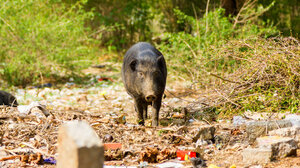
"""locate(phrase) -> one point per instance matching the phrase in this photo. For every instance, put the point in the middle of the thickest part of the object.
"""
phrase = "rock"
(256, 155)
(79, 146)
(205, 133)
(7, 99)
(286, 132)
(294, 119)
(280, 146)
(293, 132)
(259, 128)
(223, 138)
(108, 138)
(198, 162)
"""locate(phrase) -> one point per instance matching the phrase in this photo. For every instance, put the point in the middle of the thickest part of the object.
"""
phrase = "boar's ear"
(160, 62)
(133, 65)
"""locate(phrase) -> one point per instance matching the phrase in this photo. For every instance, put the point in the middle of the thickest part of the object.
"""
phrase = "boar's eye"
(133, 65)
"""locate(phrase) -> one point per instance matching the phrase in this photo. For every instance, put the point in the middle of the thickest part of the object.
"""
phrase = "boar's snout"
(150, 98)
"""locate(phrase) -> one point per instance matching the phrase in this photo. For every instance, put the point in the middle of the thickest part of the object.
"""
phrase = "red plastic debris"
(112, 146)
(185, 155)
(105, 79)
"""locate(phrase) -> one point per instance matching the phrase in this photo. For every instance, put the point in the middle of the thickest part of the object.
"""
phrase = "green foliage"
(234, 57)
(125, 22)
(43, 39)
(285, 14)
(214, 29)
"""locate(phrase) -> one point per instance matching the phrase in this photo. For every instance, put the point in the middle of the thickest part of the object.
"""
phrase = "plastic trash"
(170, 165)
(50, 160)
(185, 155)
(238, 120)
(26, 109)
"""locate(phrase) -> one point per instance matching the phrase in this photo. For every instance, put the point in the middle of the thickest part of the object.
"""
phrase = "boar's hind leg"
(139, 106)
(155, 111)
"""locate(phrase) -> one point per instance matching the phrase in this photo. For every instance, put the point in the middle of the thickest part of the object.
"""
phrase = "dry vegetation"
(255, 75)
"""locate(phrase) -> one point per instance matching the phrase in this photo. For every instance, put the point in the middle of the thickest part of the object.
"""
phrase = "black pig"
(144, 75)
(7, 99)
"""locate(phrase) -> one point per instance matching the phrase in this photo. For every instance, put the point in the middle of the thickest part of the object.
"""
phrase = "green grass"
(43, 39)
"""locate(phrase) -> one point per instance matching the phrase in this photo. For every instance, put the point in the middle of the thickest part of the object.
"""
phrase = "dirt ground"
(105, 105)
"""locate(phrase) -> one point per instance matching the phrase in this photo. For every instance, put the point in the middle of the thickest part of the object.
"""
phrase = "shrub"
(211, 31)
(43, 39)
(266, 79)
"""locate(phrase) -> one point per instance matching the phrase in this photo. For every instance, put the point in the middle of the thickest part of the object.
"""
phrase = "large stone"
(280, 146)
(204, 133)
(257, 155)
(294, 119)
(79, 146)
(286, 132)
(259, 128)
(293, 132)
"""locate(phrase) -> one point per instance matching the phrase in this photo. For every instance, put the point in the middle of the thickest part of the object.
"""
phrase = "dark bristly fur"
(144, 74)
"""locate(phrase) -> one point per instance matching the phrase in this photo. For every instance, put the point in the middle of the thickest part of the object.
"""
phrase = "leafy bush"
(43, 39)
(237, 62)
(211, 31)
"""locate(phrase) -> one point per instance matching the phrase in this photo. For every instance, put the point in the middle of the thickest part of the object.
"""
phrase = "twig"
(227, 98)
(10, 157)
(206, 20)
(37, 150)
(227, 80)
(193, 52)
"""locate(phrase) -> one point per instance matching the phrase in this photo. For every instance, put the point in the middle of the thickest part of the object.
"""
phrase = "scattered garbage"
(50, 160)
(170, 164)
(238, 120)
(212, 166)
(120, 119)
(143, 164)
(112, 146)
(185, 155)
(27, 109)
(108, 109)
(108, 138)
(198, 162)
(105, 79)
(44, 85)
(98, 66)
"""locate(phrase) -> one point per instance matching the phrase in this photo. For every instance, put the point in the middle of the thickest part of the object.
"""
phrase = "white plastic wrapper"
(27, 109)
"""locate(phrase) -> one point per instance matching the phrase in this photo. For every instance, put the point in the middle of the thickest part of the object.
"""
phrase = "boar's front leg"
(155, 110)
(139, 108)
(145, 110)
